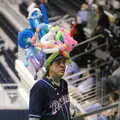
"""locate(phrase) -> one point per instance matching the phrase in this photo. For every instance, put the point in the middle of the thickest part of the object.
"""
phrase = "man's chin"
(61, 74)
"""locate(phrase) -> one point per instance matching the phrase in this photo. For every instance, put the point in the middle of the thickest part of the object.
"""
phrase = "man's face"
(58, 68)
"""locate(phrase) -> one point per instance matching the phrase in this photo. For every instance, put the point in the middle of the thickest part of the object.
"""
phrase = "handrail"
(10, 84)
(84, 95)
(86, 98)
(74, 75)
(72, 82)
(89, 92)
(83, 53)
(80, 79)
(89, 40)
(74, 100)
(79, 95)
(99, 110)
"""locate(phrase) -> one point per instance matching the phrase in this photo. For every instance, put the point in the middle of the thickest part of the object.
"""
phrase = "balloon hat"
(53, 57)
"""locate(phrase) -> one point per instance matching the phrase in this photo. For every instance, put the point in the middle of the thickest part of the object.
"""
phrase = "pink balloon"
(69, 41)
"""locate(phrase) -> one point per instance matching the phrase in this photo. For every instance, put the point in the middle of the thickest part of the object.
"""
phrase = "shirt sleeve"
(37, 96)
(64, 87)
(34, 118)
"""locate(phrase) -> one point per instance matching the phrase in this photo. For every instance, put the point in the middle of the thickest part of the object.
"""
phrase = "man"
(49, 96)
(103, 25)
(103, 20)
(82, 15)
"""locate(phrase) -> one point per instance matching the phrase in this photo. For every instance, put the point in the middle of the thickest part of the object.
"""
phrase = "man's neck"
(55, 80)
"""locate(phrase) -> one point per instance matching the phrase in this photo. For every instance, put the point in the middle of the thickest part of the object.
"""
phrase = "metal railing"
(89, 51)
(90, 97)
(89, 40)
(100, 111)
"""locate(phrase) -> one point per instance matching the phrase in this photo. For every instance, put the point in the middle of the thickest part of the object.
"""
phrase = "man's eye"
(58, 63)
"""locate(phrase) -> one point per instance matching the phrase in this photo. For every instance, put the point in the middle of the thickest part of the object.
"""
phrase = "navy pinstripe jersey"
(48, 101)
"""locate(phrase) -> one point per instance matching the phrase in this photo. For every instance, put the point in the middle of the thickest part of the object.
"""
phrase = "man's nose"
(62, 64)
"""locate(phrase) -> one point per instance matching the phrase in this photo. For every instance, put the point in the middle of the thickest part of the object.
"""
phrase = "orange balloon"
(42, 1)
(33, 40)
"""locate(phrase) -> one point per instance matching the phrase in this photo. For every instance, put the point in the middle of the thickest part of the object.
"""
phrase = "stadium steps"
(63, 6)
(4, 75)
(52, 11)
(10, 60)
(8, 28)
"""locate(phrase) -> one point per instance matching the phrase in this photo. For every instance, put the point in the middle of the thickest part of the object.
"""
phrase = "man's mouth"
(62, 70)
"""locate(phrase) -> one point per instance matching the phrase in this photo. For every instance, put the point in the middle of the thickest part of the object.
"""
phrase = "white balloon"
(49, 37)
(51, 50)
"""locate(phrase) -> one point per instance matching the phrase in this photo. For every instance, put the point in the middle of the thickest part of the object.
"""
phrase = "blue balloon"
(44, 13)
(23, 37)
(34, 19)
(43, 29)
(28, 53)
(34, 23)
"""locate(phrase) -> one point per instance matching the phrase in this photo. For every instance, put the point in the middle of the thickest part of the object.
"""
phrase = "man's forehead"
(60, 60)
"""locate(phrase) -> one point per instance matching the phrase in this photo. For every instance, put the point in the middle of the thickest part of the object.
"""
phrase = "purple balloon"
(37, 60)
